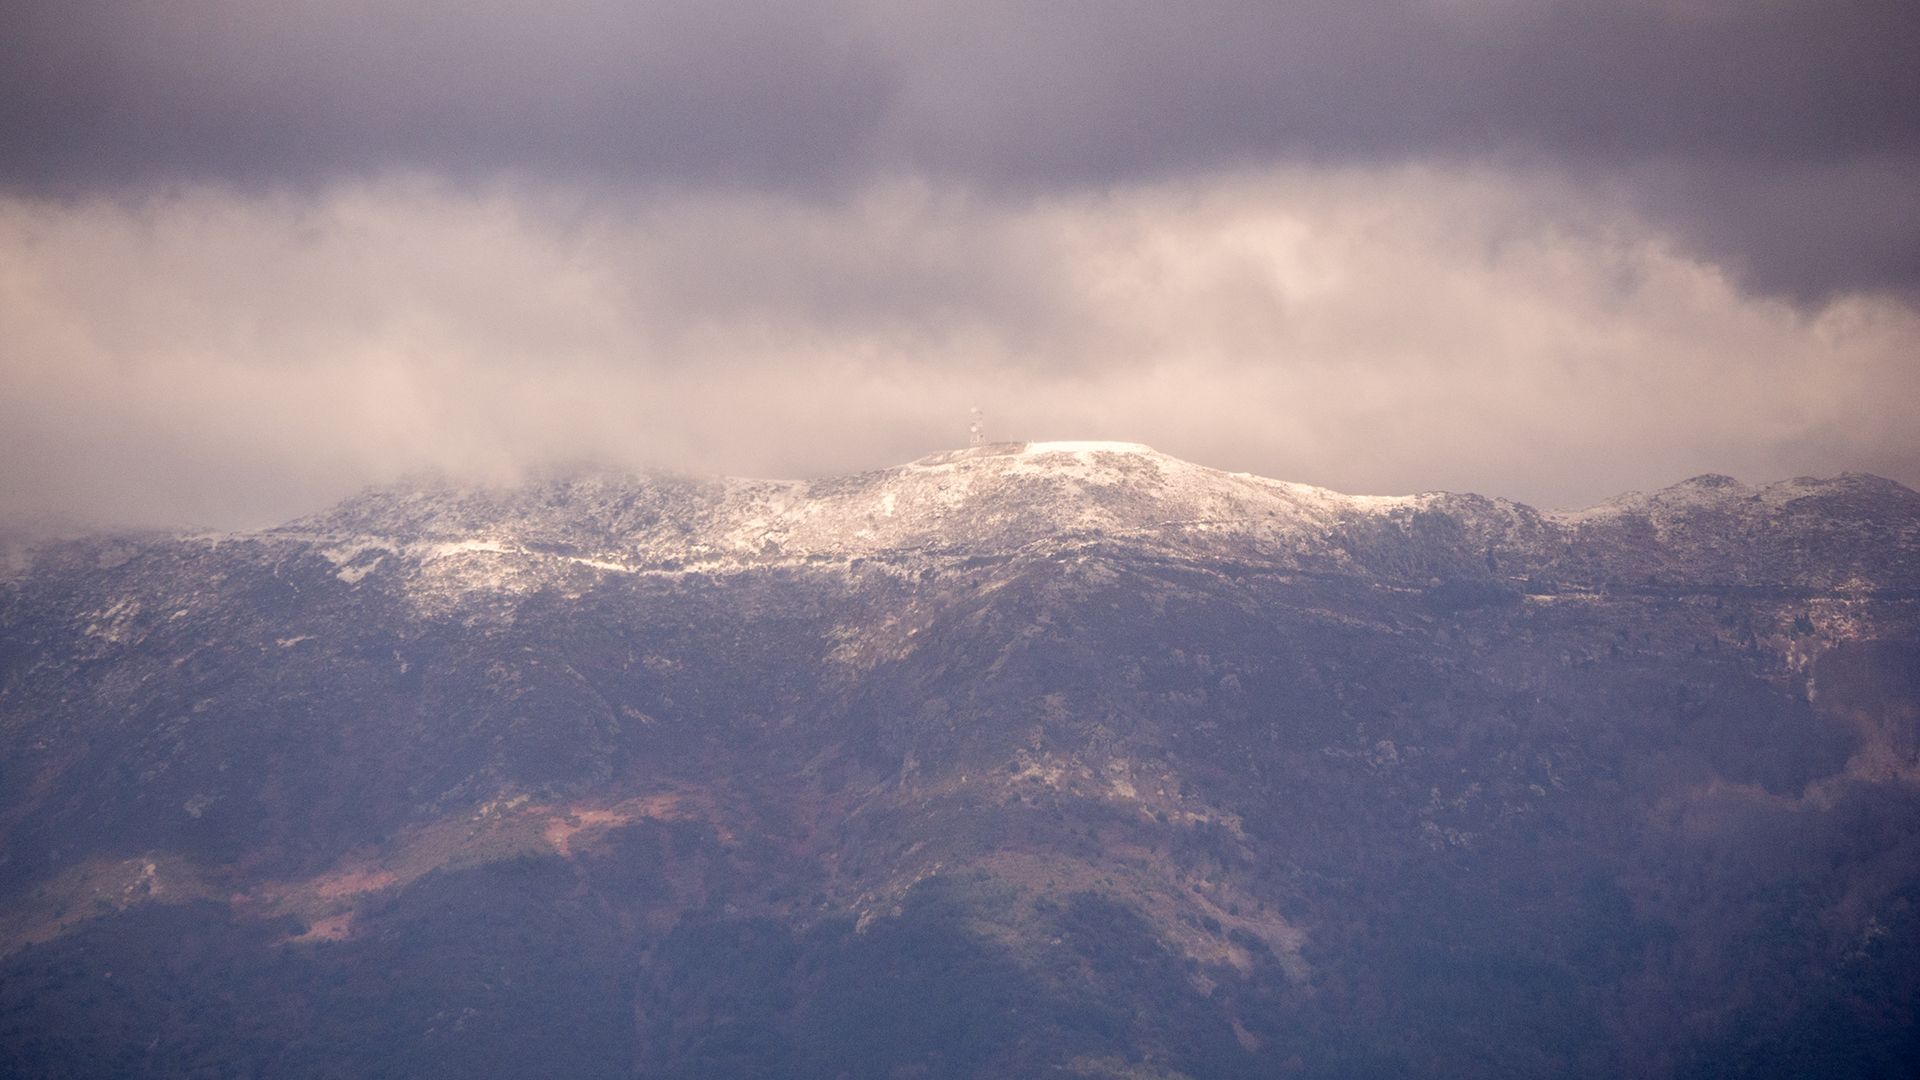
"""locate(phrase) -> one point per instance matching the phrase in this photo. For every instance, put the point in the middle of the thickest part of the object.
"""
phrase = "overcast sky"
(255, 254)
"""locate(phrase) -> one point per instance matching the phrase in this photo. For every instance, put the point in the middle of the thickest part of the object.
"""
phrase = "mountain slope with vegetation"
(1027, 760)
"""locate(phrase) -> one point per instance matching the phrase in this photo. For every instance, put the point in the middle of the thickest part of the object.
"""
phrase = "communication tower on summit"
(977, 431)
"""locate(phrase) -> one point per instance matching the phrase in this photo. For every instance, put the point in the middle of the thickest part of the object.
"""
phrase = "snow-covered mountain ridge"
(988, 499)
(1003, 499)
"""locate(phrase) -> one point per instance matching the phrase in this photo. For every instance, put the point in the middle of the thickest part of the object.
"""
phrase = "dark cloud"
(117, 91)
(1807, 229)
(1133, 85)
(1006, 93)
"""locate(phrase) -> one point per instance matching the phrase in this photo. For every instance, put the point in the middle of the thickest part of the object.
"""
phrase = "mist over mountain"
(1052, 759)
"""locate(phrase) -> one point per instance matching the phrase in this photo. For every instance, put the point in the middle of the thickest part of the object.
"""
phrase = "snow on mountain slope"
(1258, 751)
(1004, 499)
(991, 500)
(1851, 531)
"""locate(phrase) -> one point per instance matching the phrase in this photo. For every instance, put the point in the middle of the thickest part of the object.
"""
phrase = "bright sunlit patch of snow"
(1087, 448)
(1328, 499)
(465, 547)
(344, 553)
(601, 564)
(352, 574)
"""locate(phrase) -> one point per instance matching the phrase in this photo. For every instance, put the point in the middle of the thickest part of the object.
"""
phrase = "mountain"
(1056, 759)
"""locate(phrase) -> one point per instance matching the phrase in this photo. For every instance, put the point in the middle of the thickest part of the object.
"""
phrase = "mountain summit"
(1003, 499)
(993, 499)
(1022, 760)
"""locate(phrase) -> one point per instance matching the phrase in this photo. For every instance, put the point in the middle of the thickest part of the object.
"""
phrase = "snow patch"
(601, 564)
(465, 547)
(352, 574)
(1087, 448)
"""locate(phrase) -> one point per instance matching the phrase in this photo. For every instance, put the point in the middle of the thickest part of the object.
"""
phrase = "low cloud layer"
(213, 356)
(255, 254)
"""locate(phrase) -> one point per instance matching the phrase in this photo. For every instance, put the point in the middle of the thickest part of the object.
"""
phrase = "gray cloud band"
(207, 356)
(1727, 119)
